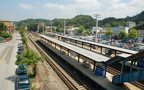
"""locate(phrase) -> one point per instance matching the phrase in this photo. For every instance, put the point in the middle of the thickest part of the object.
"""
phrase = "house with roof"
(140, 36)
(72, 30)
(10, 25)
(116, 30)
(130, 24)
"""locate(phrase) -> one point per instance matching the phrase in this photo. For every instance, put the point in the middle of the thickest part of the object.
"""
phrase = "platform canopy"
(89, 54)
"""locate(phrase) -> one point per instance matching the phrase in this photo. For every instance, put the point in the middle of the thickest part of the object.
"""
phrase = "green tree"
(53, 30)
(58, 29)
(22, 27)
(3, 27)
(22, 33)
(87, 32)
(24, 39)
(30, 57)
(107, 25)
(122, 34)
(80, 30)
(109, 32)
(42, 28)
(6, 35)
(133, 33)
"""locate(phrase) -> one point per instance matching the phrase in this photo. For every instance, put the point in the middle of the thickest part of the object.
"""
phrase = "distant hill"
(139, 18)
(87, 21)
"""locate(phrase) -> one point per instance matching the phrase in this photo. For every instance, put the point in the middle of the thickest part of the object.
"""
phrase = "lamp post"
(51, 26)
(64, 27)
(43, 27)
(96, 15)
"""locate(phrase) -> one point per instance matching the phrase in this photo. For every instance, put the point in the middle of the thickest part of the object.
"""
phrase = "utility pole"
(51, 26)
(96, 15)
(38, 28)
(64, 27)
(43, 27)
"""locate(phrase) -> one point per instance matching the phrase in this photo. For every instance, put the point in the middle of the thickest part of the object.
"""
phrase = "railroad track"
(69, 81)
(114, 70)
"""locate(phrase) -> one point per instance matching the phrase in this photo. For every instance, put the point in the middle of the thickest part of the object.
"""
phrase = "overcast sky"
(16, 10)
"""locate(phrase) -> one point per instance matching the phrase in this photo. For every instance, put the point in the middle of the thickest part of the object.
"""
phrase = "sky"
(16, 10)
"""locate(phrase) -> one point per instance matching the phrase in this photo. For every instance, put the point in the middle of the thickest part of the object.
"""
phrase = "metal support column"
(115, 52)
(78, 57)
(68, 52)
(55, 45)
(90, 46)
(123, 63)
(105, 70)
(94, 66)
(82, 44)
(60, 48)
(75, 42)
(131, 66)
(101, 50)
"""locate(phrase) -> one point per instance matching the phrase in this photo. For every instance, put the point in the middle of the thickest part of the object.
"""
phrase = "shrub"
(6, 35)
(24, 39)
(1, 38)
(30, 57)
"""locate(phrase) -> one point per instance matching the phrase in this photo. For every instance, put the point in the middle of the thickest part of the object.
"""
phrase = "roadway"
(8, 52)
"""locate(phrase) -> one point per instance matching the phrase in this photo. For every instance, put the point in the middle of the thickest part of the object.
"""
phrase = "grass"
(32, 74)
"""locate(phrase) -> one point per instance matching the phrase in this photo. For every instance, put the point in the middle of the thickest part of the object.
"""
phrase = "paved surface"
(8, 52)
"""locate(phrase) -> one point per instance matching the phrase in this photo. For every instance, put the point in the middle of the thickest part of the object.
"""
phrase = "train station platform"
(105, 82)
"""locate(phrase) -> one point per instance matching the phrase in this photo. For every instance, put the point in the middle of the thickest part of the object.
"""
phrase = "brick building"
(10, 25)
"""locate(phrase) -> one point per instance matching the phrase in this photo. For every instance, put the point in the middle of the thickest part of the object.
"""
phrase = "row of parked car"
(22, 81)
(127, 44)
(20, 48)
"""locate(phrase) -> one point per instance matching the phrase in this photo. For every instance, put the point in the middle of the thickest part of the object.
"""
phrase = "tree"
(80, 30)
(53, 30)
(3, 27)
(107, 25)
(30, 57)
(109, 33)
(58, 29)
(87, 32)
(122, 34)
(42, 28)
(22, 27)
(133, 33)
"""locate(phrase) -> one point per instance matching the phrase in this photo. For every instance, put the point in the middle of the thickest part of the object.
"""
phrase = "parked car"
(19, 52)
(20, 49)
(18, 60)
(2, 40)
(22, 83)
(21, 69)
(20, 45)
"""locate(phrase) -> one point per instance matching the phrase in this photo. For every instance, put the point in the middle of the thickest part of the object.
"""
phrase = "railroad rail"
(69, 81)
(114, 70)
